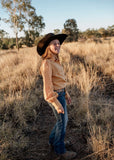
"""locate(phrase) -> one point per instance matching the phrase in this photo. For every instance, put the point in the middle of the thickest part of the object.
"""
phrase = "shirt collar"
(55, 58)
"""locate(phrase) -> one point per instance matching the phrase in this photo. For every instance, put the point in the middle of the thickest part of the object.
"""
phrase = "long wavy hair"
(47, 54)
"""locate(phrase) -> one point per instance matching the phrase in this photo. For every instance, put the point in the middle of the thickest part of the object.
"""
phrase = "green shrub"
(7, 43)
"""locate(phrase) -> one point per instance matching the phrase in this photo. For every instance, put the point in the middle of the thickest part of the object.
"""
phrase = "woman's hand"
(68, 98)
(58, 106)
(60, 110)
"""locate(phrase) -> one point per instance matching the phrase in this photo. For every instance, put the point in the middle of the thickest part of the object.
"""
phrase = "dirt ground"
(39, 148)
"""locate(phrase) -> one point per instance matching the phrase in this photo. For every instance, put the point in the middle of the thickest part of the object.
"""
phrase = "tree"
(16, 16)
(110, 30)
(19, 12)
(35, 26)
(103, 32)
(91, 33)
(70, 28)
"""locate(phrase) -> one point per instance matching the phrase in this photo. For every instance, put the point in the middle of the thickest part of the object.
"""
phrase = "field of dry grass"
(89, 68)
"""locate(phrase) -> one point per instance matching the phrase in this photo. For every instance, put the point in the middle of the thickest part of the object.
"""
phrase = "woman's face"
(55, 46)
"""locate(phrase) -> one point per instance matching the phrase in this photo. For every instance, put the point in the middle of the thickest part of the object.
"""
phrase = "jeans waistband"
(60, 90)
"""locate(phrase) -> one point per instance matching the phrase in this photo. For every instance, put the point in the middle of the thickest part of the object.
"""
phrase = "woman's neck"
(55, 57)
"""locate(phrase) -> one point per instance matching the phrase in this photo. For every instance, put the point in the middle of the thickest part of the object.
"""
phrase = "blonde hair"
(47, 54)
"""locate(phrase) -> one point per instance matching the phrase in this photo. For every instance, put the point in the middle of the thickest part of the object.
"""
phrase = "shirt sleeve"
(49, 94)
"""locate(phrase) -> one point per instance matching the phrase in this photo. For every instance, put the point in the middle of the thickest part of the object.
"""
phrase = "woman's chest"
(57, 70)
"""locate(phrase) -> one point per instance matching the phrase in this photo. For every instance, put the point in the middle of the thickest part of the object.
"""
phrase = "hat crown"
(49, 35)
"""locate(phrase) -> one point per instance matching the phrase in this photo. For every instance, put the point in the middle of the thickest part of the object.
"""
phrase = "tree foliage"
(35, 26)
(3, 34)
(98, 33)
(110, 30)
(70, 28)
(21, 14)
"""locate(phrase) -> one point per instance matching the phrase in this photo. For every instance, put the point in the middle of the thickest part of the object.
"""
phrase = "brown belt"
(60, 90)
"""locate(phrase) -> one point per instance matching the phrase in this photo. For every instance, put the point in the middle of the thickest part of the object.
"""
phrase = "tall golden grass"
(89, 68)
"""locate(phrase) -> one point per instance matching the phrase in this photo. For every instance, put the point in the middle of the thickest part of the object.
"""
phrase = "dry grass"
(90, 73)
(90, 70)
(18, 101)
(100, 54)
(18, 71)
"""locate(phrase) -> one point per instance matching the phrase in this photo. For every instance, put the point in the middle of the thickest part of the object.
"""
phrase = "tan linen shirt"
(53, 79)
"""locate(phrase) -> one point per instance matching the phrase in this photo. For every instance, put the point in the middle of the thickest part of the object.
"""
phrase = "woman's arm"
(68, 98)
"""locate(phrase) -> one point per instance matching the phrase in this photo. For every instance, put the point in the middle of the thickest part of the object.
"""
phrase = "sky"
(87, 13)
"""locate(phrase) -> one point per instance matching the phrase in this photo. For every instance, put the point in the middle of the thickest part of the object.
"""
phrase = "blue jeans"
(57, 135)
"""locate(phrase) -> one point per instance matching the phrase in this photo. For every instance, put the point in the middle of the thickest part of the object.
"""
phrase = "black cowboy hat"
(44, 42)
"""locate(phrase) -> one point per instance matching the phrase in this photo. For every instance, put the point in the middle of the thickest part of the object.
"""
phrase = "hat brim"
(60, 37)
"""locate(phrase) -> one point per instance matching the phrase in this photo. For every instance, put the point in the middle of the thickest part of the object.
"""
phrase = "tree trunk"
(17, 45)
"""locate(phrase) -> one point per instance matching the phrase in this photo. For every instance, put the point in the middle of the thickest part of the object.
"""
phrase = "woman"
(54, 83)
